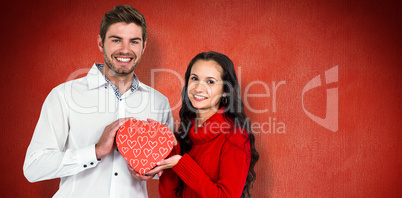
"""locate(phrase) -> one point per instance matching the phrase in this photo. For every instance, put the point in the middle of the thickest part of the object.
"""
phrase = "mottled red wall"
(288, 43)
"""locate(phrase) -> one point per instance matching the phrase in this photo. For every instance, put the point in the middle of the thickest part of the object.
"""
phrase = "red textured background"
(44, 43)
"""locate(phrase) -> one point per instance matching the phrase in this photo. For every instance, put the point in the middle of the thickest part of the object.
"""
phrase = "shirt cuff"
(87, 157)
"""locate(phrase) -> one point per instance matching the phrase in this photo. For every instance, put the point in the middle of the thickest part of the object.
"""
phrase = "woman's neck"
(204, 114)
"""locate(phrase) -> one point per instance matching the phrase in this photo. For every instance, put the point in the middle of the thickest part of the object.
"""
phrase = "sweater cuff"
(175, 151)
(188, 170)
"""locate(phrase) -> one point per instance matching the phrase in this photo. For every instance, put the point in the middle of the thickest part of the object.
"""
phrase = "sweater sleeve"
(169, 180)
(233, 169)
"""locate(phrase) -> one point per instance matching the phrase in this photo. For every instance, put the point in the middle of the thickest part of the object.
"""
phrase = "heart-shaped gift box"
(143, 144)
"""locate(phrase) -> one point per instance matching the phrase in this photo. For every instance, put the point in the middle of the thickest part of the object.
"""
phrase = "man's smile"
(124, 60)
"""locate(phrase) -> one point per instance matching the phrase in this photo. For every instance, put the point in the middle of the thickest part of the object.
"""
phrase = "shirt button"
(91, 163)
(121, 99)
(85, 166)
(115, 174)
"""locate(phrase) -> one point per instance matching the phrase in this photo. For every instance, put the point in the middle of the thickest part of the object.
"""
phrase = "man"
(74, 136)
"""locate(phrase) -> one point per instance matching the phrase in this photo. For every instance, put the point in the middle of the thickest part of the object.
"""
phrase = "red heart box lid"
(143, 144)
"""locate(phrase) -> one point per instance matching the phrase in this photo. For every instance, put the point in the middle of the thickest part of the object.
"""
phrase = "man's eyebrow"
(118, 37)
(113, 36)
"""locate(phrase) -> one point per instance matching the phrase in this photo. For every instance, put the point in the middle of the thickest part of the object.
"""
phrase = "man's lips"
(124, 59)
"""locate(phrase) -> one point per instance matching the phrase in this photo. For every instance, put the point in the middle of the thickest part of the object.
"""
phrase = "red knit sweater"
(217, 164)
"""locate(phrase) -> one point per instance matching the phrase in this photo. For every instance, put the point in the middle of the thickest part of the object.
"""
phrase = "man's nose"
(125, 47)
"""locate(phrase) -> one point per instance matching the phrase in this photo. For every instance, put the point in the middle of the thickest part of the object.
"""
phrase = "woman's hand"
(165, 164)
(139, 177)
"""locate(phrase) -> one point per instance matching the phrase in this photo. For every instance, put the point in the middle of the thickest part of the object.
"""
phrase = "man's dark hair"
(122, 13)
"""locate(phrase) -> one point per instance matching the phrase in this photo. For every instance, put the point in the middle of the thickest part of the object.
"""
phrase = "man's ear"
(100, 44)
(145, 46)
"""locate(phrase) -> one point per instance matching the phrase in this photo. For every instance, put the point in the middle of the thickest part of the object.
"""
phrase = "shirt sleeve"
(168, 118)
(47, 156)
(233, 170)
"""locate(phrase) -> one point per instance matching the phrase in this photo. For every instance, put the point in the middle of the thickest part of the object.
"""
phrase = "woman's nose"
(199, 87)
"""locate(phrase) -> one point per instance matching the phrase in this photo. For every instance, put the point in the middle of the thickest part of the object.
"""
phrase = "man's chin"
(124, 72)
(120, 72)
(115, 69)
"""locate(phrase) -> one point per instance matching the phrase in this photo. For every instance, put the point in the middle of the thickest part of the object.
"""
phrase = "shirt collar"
(97, 79)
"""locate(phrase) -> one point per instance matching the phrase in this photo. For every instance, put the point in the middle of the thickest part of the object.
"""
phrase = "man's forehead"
(124, 30)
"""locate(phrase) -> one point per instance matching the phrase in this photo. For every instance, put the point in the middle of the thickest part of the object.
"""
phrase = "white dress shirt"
(73, 118)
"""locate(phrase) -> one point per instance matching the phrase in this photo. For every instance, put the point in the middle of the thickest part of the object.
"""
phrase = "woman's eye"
(211, 82)
(194, 78)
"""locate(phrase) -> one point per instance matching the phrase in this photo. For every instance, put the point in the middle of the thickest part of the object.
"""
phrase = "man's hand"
(105, 144)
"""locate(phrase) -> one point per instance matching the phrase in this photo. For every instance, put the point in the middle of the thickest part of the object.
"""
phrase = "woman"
(215, 156)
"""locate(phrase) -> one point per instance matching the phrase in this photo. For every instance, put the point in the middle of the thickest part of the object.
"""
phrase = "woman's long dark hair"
(234, 112)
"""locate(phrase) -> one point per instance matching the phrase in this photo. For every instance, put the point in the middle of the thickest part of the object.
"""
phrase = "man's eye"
(135, 42)
(115, 41)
